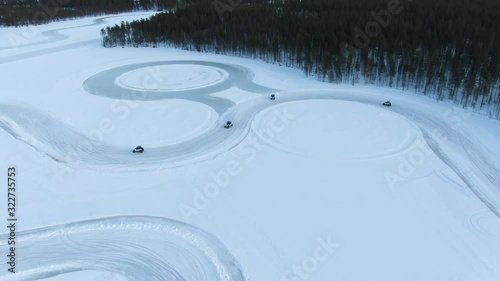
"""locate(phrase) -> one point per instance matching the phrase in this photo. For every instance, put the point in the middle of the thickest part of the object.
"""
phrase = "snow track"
(138, 248)
(103, 84)
(54, 41)
(474, 165)
(171, 77)
(55, 35)
(66, 145)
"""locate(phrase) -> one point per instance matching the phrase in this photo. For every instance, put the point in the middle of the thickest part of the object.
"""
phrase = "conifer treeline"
(445, 49)
(25, 12)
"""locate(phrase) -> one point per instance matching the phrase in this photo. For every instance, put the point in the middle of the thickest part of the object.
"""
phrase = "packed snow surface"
(323, 183)
(171, 77)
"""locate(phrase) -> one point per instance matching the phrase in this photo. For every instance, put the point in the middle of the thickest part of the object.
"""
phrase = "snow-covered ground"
(324, 183)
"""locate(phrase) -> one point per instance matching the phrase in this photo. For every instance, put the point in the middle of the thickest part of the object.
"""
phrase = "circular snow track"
(332, 129)
(190, 80)
(173, 77)
(137, 248)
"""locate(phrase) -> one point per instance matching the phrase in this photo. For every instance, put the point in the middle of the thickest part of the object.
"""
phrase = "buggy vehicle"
(387, 103)
(273, 97)
(138, 149)
(228, 125)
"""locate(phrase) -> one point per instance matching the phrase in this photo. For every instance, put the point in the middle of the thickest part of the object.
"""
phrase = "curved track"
(103, 84)
(410, 139)
(138, 248)
(53, 36)
(466, 157)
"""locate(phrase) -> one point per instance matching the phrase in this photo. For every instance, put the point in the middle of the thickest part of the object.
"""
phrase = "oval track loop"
(55, 35)
(474, 166)
(104, 84)
(339, 119)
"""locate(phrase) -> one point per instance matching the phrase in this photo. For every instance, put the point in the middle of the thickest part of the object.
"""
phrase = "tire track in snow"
(46, 51)
(64, 144)
(479, 221)
(55, 35)
(136, 247)
(467, 158)
(410, 142)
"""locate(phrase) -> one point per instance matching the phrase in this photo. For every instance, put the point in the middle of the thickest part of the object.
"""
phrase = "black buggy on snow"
(228, 125)
(387, 103)
(138, 149)
(273, 97)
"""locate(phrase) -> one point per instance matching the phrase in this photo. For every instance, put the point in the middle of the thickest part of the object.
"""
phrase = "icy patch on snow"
(174, 77)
